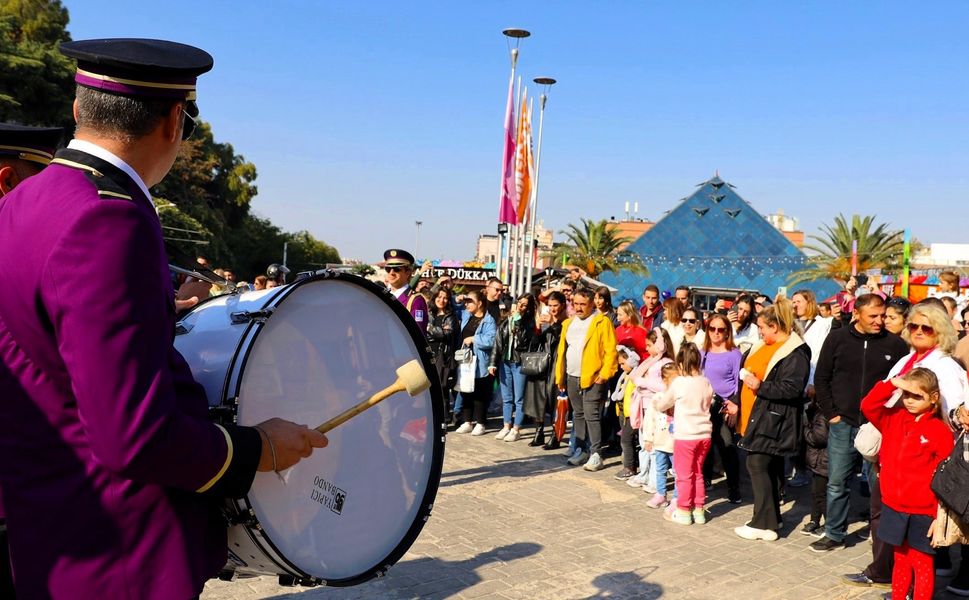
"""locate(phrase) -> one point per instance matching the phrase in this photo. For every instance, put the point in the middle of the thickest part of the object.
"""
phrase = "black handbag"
(951, 480)
(536, 363)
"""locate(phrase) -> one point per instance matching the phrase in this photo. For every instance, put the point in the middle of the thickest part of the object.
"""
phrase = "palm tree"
(878, 247)
(595, 246)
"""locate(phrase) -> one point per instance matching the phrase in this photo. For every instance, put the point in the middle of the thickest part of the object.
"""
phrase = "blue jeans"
(842, 459)
(512, 382)
(458, 405)
(664, 462)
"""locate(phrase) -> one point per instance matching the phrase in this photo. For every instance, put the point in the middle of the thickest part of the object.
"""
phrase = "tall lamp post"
(546, 83)
(417, 241)
(514, 36)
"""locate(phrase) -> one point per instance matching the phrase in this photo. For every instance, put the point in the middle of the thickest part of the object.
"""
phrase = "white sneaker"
(479, 429)
(464, 428)
(501, 434)
(570, 452)
(636, 481)
(594, 464)
(752, 533)
(513, 435)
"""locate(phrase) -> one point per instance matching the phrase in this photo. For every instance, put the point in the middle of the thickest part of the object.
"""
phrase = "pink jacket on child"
(648, 380)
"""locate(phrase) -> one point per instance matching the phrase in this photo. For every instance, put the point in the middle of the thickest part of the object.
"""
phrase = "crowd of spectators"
(775, 389)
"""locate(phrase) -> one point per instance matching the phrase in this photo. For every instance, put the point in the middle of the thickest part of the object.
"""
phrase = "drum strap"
(410, 301)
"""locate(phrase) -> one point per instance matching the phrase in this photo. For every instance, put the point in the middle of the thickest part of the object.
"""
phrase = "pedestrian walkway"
(515, 522)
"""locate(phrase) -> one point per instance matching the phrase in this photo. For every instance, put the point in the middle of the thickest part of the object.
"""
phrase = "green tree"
(595, 246)
(306, 253)
(36, 80)
(879, 247)
(204, 202)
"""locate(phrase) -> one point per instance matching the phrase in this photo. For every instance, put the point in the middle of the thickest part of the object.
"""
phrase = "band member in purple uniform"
(112, 472)
(399, 265)
(24, 152)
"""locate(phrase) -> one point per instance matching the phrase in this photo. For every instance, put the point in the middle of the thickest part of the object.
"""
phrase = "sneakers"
(479, 429)
(625, 474)
(513, 435)
(657, 501)
(752, 533)
(802, 479)
(812, 529)
(594, 464)
(649, 488)
(826, 544)
(464, 428)
(580, 457)
(699, 515)
(504, 432)
(680, 517)
(734, 497)
(636, 481)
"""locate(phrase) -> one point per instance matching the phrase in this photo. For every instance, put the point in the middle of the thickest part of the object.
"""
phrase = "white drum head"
(354, 507)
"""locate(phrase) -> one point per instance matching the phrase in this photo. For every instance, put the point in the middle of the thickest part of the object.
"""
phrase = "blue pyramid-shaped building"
(714, 240)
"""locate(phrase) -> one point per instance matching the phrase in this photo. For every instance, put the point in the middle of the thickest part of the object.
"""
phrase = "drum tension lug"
(245, 316)
(222, 413)
(247, 519)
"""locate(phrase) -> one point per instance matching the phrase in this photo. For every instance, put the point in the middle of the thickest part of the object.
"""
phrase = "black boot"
(552, 443)
(539, 438)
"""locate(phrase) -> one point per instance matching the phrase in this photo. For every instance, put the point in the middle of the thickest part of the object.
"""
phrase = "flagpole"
(517, 229)
(547, 82)
(522, 260)
(502, 262)
(906, 263)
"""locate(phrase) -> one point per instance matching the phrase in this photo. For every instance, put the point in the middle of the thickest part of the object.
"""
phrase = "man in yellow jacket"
(586, 362)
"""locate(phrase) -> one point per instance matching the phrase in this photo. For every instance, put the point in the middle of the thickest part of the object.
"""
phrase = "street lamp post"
(546, 83)
(502, 263)
(417, 241)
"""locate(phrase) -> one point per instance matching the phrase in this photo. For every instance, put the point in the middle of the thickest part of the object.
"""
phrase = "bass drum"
(306, 352)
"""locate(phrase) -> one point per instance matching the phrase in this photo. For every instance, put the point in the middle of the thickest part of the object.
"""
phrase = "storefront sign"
(463, 275)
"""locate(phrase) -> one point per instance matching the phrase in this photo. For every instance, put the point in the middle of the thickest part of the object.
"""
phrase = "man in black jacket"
(852, 360)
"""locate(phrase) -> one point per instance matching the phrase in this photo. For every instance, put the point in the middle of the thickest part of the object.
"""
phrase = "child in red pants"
(907, 411)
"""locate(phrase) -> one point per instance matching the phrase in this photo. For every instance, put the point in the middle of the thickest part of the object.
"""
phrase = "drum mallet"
(410, 377)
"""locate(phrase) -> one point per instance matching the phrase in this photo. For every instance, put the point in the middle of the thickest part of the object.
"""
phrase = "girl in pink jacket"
(648, 380)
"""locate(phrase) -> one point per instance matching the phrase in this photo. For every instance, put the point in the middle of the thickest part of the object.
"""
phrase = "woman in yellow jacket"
(586, 361)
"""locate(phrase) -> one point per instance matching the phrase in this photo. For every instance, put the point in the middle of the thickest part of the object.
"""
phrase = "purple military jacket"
(418, 308)
(112, 473)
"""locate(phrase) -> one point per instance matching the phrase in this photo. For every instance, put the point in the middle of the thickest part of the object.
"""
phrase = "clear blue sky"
(363, 117)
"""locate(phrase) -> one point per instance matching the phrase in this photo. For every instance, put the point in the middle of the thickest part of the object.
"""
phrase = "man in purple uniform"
(399, 265)
(24, 152)
(113, 474)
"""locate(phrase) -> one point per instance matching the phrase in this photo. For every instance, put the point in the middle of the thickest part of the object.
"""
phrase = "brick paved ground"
(516, 522)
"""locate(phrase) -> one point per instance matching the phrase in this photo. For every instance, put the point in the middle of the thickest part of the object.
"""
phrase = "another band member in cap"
(399, 265)
(113, 474)
(24, 151)
(276, 275)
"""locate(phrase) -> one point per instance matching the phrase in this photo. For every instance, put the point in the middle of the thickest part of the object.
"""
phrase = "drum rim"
(439, 429)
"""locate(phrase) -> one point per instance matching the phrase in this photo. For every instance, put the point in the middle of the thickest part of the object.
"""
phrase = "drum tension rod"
(245, 316)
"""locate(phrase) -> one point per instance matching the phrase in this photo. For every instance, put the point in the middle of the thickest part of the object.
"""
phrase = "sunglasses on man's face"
(926, 329)
(190, 122)
(394, 269)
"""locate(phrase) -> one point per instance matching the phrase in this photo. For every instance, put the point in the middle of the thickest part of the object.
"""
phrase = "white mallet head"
(413, 377)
